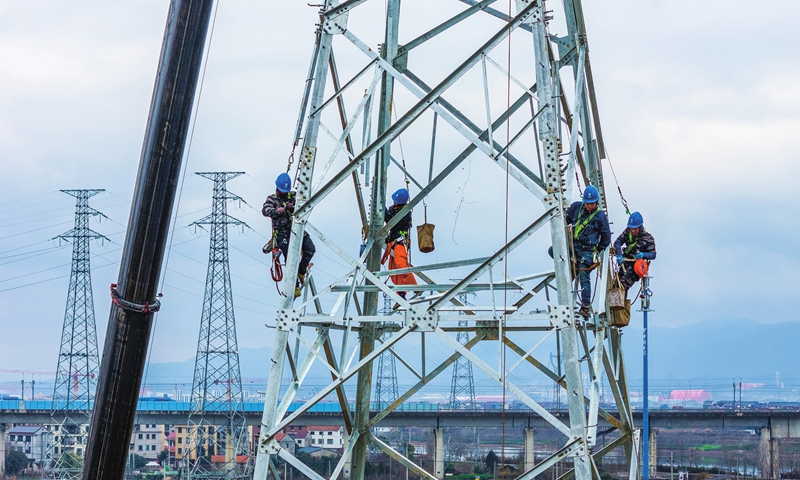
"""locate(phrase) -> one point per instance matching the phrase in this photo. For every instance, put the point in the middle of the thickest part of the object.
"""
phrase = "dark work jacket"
(644, 242)
(595, 235)
(402, 227)
(281, 223)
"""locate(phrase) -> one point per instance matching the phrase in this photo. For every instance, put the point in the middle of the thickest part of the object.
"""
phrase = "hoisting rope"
(502, 322)
(621, 197)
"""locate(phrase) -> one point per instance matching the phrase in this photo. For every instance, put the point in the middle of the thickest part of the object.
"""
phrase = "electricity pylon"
(386, 388)
(78, 361)
(216, 425)
(366, 93)
(462, 385)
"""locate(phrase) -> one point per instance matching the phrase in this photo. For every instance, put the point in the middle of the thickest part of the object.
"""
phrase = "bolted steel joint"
(562, 316)
(336, 25)
(287, 320)
(421, 318)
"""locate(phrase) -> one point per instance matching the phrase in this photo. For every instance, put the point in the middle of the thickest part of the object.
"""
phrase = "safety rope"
(503, 349)
(619, 189)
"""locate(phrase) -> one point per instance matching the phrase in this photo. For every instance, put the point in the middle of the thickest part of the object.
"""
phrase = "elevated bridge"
(783, 423)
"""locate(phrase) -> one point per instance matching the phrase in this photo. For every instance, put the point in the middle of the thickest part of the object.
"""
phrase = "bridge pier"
(438, 458)
(768, 448)
(529, 458)
(2, 449)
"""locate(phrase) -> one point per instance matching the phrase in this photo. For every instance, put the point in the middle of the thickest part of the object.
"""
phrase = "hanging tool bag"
(618, 304)
(425, 235)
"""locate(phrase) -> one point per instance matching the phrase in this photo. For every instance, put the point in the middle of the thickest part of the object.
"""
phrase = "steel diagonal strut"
(362, 144)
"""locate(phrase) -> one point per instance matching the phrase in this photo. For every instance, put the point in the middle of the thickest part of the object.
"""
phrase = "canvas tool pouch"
(618, 304)
(425, 235)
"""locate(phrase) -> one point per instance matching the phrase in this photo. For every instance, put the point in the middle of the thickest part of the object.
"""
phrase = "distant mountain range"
(713, 352)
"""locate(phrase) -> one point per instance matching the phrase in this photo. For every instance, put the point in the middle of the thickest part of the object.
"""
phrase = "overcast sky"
(699, 104)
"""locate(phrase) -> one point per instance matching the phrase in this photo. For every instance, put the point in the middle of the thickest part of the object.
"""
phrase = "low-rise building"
(331, 438)
(147, 440)
(32, 440)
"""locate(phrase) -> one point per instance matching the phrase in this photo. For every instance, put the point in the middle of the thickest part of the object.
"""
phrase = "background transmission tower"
(76, 375)
(462, 443)
(217, 385)
(386, 389)
(462, 387)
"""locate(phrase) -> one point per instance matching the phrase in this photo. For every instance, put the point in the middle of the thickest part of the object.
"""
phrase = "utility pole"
(76, 374)
(131, 316)
(645, 404)
(217, 361)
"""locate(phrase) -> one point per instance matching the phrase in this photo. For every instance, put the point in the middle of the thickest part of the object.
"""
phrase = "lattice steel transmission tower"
(216, 420)
(462, 385)
(78, 360)
(386, 388)
(533, 129)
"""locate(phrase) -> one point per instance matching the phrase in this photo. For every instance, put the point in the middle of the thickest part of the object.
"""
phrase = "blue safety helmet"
(283, 183)
(591, 195)
(635, 220)
(400, 197)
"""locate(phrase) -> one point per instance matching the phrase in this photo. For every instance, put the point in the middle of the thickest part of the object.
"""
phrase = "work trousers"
(627, 276)
(308, 250)
(397, 254)
(585, 261)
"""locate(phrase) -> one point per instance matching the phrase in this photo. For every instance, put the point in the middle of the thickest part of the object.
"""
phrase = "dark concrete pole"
(128, 333)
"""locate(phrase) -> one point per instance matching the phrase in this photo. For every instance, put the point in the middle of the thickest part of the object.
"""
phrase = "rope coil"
(134, 307)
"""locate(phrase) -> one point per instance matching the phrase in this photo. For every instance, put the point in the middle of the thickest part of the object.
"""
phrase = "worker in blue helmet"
(279, 207)
(634, 243)
(590, 234)
(398, 240)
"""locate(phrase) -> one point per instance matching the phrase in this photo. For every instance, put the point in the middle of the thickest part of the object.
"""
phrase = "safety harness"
(583, 224)
(276, 268)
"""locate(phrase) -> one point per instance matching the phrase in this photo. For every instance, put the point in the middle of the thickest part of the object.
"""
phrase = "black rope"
(148, 307)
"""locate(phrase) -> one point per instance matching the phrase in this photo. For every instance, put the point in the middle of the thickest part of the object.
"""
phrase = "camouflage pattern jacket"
(281, 222)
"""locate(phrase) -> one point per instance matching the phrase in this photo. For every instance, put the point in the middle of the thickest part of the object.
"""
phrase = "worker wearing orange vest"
(398, 241)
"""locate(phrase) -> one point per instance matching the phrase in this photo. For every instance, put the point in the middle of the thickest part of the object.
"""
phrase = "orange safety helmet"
(641, 267)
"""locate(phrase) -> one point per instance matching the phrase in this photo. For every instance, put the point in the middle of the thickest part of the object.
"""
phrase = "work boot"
(584, 311)
(301, 280)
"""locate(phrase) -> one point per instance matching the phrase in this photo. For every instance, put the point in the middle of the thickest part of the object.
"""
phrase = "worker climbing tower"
(508, 86)
(216, 426)
(78, 361)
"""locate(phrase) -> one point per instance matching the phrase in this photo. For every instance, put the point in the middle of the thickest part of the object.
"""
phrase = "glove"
(290, 207)
(639, 256)
(280, 211)
(619, 259)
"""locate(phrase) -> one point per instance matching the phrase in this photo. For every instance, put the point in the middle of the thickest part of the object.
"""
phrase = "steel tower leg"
(288, 319)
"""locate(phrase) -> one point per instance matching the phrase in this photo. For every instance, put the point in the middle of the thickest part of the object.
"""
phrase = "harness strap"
(631, 243)
(580, 225)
